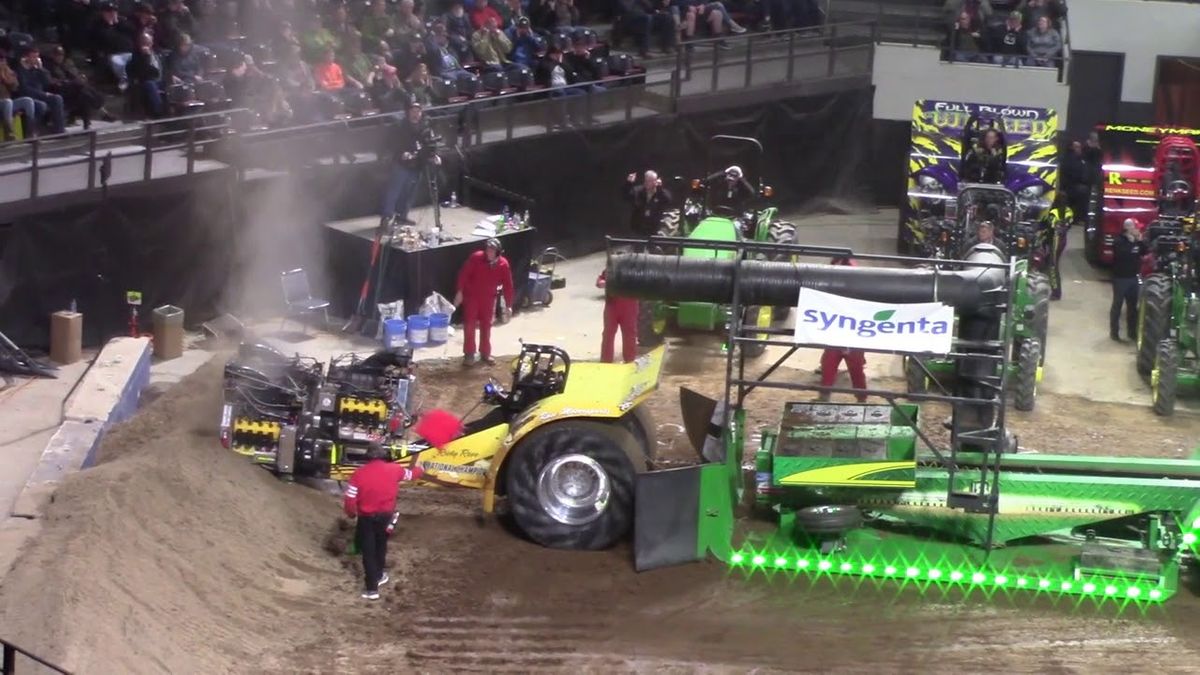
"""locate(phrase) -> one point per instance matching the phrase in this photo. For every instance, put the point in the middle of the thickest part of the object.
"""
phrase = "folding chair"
(298, 298)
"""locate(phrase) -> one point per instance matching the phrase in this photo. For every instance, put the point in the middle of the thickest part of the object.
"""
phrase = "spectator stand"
(838, 55)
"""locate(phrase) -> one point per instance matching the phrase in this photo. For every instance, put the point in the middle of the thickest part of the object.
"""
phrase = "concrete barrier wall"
(108, 394)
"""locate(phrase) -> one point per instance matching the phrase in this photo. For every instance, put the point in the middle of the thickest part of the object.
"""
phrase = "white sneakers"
(374, 595)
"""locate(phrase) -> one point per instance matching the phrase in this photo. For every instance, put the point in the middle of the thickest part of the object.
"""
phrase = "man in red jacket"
(831, 358)
(371, 498)
(618, 313)
(477, 281)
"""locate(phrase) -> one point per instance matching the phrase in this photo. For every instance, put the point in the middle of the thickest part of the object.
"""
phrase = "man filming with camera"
(414, 144)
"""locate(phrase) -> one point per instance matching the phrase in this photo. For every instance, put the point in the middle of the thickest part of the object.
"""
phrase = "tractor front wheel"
(1154, 317)
(782, 232)
(1163, 378)
(914, 376)
(829, 519)
(757, 317)
(651, 329)
(1029, 360)
(570, 485)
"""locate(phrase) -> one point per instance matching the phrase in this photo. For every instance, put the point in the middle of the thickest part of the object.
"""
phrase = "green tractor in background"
(728, 205)
(1023, 241)
(1169, 314)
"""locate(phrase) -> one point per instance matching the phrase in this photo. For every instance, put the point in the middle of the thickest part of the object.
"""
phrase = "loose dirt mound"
(172, 554)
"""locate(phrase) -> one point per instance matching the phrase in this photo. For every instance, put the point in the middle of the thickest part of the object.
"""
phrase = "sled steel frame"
(989, 443)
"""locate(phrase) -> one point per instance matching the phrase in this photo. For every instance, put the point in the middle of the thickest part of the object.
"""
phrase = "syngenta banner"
(834, 321)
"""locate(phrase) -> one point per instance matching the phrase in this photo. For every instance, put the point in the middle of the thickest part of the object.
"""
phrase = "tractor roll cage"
(988, 392)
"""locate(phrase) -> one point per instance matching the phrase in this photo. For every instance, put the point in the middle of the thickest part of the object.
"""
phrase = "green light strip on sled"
(950, 575)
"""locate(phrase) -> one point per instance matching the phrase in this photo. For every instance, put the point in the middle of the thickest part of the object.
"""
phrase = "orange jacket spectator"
(329, 76)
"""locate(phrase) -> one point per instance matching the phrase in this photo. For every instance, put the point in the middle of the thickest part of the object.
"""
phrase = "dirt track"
(176, 556)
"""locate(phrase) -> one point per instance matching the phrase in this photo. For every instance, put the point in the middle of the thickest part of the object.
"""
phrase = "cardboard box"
(66, 337)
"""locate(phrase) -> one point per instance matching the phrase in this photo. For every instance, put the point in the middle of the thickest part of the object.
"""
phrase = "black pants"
(370, 532)
(1124, 291)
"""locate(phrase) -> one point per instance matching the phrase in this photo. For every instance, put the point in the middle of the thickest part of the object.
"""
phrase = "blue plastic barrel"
(439, 328)
(395, 333)
(418, 330)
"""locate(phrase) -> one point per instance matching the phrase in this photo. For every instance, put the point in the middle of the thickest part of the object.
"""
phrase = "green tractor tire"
(759, 317)
(1029, 360)
(1164, 377)
(1154, 318)
(915, 379)
(651, 327)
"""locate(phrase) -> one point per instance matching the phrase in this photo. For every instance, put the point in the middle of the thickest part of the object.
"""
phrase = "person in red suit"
(856, 359)
(370, 499)
(478, 279)
(618, 313)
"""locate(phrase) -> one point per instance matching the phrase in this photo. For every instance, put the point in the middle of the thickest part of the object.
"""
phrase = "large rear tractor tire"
(651, 329)
(782, 232)
(1029, 360)
(570, 485)
(1163, 378)
(1154, 317)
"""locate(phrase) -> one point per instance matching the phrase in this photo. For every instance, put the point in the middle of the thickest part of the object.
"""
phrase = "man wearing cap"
(478, 279)
(115, 39)
(1128, 250)
(370, 498)
(406, 166)
(1008, 41)
(730, 190)
(524, 44)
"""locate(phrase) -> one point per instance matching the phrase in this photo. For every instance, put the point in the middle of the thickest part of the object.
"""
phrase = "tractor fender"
(611, 394)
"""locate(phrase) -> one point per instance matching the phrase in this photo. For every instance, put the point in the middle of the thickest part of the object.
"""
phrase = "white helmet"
(734, 172)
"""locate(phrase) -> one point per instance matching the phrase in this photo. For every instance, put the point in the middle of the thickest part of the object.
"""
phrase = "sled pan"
(697, 411)
(666, 526)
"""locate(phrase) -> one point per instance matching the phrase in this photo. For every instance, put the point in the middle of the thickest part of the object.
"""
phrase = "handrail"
(10, 659)
(649, 90)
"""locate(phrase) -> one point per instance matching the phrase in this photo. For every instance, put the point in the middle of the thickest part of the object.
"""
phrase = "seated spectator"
(79, 97)
(789, 14)
(510, 11)
(415, 52)
(980, 11)
(185, 65)
(688, 13)
(1008, 42)
(378, 24)
(335, 86)
(297, 83)
(581, 69)
(491, 46)
(442, 60)
(145, 74)
(114, 40)
(482, 12)
(315, 39)
(640, 20)
(1031, 10)
(387, 91)
(408, 22)
(174, 21)
(34, 82)
(525, 44)
(340, 26)
(966, 42)
(356, 64)
(1043, 43)
(420, 86)
(76, 20)
(458, 27)
(561, 15)
(143, 19)
(286, 38)
(552, 72)
(11, 104)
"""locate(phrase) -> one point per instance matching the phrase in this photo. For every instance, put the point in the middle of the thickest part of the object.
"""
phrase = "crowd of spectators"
(297, 61)
(1006, 32)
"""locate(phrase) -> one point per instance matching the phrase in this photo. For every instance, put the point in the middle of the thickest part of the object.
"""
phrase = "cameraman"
(414, 145)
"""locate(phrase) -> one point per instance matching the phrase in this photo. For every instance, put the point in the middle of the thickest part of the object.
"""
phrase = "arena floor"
(173, 555)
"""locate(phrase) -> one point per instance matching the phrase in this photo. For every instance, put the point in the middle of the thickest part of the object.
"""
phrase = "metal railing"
(172, 147)
(11, 651)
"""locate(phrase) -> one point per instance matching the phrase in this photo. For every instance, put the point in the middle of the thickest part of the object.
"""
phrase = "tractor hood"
(671, 278)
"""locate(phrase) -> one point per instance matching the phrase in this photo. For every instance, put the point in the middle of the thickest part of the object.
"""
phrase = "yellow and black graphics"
(255, 437)
(937, 130)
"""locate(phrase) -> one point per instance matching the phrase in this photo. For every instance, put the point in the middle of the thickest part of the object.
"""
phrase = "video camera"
(428, 143)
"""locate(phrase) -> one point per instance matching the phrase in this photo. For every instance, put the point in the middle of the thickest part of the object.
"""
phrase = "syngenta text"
(879, 324)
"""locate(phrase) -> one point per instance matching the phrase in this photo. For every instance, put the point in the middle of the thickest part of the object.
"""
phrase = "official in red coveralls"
(618, 313)
(478, 279)
(371, 499)
(856, 359)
